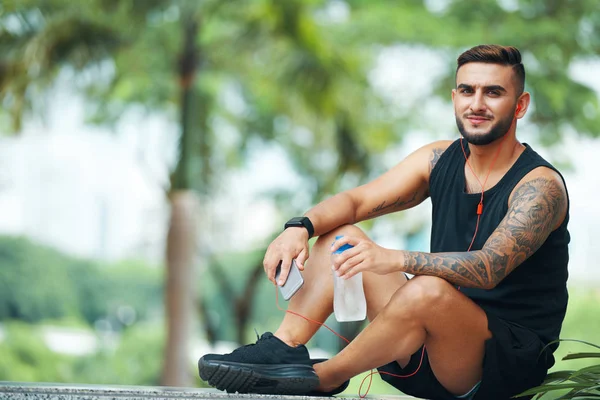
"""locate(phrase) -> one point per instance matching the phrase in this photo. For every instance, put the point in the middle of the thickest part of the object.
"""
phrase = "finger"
(336, 244)
(267, 262)
(345, 240)
(286, 263)
(360, 267)
(337, 260)
(352, 240)
(350, 263)
(270, 266)
(301, 259)
(340, 259)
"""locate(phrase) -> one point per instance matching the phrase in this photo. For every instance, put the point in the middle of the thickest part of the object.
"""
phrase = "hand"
(291, 244)
(364, 256)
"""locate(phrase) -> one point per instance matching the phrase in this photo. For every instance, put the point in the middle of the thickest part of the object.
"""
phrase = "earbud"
(518, 109)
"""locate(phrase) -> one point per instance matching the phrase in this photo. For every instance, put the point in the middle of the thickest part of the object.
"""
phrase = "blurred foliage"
(297, 71)
(38, 283)
(34, 282)
(135, 360)
(26, 358)
(248, 50)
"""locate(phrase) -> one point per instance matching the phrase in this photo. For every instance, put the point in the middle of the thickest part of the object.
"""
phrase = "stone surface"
(50, 391)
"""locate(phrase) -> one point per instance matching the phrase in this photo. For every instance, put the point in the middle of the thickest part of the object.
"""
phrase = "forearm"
(331, 213)
(469, 269)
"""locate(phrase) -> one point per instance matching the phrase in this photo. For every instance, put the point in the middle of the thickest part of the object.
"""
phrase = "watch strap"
(301, 222)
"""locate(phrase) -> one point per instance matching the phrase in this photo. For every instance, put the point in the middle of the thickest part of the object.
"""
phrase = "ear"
(453, 94)
(522, 105)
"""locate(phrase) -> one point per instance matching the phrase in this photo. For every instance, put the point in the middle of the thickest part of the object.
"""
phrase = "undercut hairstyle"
(495, 54)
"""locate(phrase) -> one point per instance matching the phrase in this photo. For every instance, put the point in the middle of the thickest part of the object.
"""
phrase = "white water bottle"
(349, 303)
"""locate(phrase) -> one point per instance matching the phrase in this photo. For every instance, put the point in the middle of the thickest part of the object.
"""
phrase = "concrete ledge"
(51, 391)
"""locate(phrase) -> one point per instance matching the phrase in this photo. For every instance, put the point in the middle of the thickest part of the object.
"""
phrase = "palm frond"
(575, 356)
(583, 383)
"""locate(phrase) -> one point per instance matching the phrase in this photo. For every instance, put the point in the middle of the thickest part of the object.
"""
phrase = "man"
(475, 319)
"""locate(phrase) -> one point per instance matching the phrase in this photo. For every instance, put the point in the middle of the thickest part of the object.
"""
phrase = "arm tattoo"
(396, 205)
(535, 209)
(416, 198)
(434, 158)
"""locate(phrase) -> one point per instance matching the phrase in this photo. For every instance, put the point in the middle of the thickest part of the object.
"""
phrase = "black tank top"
(534, 295)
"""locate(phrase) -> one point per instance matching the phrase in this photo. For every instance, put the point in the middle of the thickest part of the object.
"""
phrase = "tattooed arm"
(404, 186)
(537, 206)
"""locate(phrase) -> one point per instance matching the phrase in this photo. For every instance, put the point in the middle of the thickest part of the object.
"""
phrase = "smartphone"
(293, 283)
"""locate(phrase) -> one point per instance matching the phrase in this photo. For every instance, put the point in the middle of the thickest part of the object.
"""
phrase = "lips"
(477, 120)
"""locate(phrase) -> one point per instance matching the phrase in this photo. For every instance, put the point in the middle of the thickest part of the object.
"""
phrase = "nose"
(478, 103)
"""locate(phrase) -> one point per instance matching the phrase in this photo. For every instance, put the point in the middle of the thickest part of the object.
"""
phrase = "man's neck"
(481, 157)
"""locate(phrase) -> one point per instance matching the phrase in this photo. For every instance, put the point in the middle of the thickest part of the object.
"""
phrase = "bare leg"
(426, 310)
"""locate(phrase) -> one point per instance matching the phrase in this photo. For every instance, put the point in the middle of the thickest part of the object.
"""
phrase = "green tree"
(193, 33)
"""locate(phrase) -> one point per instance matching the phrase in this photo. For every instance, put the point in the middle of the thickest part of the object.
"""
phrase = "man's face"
(484, 101)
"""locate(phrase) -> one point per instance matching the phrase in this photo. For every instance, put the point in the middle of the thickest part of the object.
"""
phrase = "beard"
(497, 130)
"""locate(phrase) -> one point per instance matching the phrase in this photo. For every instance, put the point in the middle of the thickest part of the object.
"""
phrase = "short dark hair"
(496, 54)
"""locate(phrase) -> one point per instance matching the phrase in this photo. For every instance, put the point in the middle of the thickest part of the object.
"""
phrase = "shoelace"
(247, 345)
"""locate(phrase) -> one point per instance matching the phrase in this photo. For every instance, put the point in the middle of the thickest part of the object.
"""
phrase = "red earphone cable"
(480, 205)
(306, 318)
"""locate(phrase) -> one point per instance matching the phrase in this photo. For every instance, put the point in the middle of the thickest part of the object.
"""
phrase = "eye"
(465, 90)
(494, 93)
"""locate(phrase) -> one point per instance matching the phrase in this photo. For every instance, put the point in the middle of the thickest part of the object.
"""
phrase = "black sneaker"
(267, 367)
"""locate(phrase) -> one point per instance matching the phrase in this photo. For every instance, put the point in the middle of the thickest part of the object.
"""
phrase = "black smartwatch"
(301, 222)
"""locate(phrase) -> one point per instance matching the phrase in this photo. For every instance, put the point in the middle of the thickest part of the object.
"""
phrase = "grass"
(582, 322)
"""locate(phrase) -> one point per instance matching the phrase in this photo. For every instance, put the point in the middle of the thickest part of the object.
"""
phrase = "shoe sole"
(258, 378)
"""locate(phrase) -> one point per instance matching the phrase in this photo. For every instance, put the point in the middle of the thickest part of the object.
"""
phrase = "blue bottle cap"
(343, 248)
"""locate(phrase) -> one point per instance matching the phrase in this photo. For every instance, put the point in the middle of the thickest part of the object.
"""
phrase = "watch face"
(296, 221)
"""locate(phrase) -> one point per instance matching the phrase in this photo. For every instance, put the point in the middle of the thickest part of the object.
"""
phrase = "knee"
(424, 293)
(325, 241)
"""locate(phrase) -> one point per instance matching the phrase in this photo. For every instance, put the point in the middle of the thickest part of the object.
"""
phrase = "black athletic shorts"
(513, 363)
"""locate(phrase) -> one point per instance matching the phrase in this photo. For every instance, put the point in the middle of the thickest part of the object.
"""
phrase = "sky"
(99, 192)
